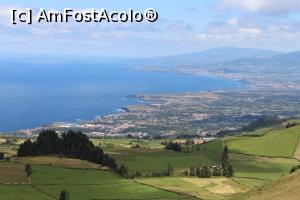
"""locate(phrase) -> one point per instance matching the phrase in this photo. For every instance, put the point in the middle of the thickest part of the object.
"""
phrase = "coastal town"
(193, 114)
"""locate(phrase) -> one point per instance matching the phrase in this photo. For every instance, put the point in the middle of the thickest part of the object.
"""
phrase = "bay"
(33, 94)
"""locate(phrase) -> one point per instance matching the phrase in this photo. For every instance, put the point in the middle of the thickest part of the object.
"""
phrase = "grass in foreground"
(48, 181)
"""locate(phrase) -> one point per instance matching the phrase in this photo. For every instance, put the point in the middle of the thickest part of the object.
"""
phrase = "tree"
(170, 170)
(204, 172)
(216, 171)
(227, 167)
(186, 173)
(230, 171)
(64, 195)
(198, 171)
(137, 174)
(123, 171)
(1, 156)
(28, 170)
(225, 155)
(26, 149)
(174, 146)
(192, 171)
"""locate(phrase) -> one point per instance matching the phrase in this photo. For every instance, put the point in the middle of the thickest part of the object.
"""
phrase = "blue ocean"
(37, 93)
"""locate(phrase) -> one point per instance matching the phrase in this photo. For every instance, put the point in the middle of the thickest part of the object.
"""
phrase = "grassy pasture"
(156, 160)
(276, 143)
(269, 149)
(261, 167)
(22, 192)
(212, 188)
(285, 188)
(249, 170)
(93, 184)
(58, 162)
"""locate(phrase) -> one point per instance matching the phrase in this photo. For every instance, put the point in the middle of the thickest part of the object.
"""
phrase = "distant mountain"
(282, 63)
(259, 68)
(207, 57)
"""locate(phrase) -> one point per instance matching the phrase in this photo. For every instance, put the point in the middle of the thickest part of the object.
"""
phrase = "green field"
(261, 167)
(276, 143)
(48, 181)
(249, 166)
(155, 160)
(259, 158)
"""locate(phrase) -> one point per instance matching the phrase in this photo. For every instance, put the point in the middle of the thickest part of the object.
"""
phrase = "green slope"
(286, 188)
(276, 143)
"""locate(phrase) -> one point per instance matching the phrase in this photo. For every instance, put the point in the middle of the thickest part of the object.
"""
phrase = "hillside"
(273, 143)
(276, 63)
(260, 159)
(284, 188)
(259, 68)
(206, 57)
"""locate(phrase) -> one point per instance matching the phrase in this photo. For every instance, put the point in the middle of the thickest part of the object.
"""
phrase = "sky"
(182, 27)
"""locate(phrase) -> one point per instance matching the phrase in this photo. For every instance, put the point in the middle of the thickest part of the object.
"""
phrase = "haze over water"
(34, 93)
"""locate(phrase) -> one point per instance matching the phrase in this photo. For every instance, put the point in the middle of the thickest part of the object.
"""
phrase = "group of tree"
(174, 146)
(199, 171)
(169, 171)
(124, 172)
(70, 144)
(205, 171)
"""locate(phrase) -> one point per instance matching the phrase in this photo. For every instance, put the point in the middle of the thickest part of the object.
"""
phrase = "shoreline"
(136, 97)
(145, 100)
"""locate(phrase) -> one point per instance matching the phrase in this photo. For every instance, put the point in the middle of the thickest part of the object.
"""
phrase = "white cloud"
(180, 26)
(241, 32)
(263, 6)
(250, 31)
(233, 21)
